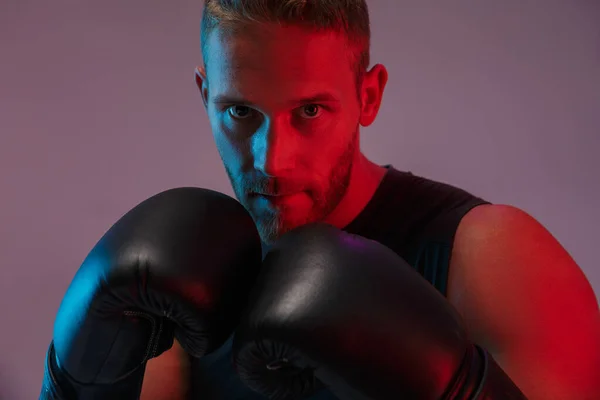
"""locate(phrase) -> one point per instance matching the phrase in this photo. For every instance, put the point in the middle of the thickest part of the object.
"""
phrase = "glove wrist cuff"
(481, 378)
(51, 389)
(59, 385)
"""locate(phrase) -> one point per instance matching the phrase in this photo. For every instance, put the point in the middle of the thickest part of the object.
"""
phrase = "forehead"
(275, 59)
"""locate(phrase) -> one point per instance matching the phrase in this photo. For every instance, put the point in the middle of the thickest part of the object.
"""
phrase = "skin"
(521, 295)
(291, 161)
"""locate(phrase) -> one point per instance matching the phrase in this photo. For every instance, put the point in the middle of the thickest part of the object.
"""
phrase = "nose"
(273, 149)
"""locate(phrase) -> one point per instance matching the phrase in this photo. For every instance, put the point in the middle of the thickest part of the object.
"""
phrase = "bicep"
(523, 298)
(167, 376)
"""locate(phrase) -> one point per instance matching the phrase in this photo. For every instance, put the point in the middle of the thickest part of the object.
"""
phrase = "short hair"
(347, 17)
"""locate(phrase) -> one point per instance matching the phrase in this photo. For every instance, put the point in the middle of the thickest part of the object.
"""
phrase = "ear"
(202, 83)
(371, 93)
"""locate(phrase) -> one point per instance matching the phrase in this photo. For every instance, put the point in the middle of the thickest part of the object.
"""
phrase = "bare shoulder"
(501, 252)
(503, 241)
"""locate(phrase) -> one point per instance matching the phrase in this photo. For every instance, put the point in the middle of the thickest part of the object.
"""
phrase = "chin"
(273, 227)
(268, 234)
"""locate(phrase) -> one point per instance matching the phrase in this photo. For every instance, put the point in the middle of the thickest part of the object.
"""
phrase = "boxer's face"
(284, 112)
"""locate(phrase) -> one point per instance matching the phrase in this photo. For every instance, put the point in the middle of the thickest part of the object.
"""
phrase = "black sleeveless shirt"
(414, 216)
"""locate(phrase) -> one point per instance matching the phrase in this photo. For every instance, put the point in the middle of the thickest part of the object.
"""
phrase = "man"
(285, 111)
(286, 88)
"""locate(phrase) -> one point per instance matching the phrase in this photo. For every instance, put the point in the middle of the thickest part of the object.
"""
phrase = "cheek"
(231, 152)
(325, 161)
(334, 142)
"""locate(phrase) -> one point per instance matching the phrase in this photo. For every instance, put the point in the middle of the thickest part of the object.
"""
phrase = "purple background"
(99, 110)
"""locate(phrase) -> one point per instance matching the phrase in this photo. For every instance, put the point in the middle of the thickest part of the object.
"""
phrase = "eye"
(311, 111)
(239, 112)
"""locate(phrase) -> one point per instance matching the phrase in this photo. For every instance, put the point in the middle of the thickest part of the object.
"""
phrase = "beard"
(325, 195)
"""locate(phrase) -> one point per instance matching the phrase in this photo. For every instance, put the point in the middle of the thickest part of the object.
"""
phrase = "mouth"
(278, 194)
(280, 199)
(269, 195)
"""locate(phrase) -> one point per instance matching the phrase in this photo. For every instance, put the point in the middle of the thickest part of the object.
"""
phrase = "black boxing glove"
(180, 264)
(334, 309)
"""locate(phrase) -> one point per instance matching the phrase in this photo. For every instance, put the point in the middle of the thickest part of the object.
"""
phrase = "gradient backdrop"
(99, 110)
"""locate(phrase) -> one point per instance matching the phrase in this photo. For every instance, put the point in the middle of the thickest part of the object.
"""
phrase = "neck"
(364, 180)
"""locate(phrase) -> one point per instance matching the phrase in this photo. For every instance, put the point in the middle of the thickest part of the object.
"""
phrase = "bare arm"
(167, 376)
(525, 300)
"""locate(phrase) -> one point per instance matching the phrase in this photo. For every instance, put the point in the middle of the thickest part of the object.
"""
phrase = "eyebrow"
(323, 97)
